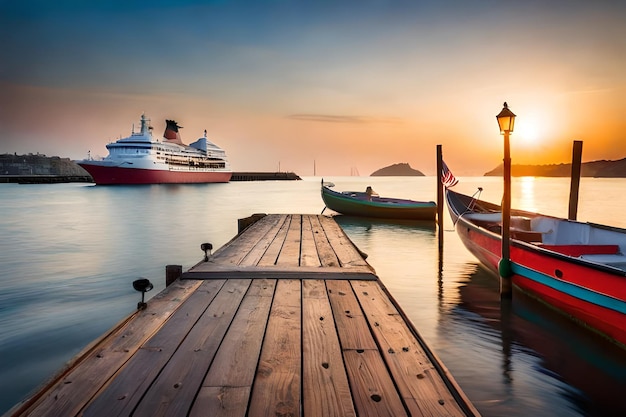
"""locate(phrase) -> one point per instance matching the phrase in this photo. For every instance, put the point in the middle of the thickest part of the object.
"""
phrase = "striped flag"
(447, 178)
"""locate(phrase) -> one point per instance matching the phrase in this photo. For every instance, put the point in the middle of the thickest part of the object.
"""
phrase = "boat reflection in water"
(365, 224)
(382, 236)
(532, 334)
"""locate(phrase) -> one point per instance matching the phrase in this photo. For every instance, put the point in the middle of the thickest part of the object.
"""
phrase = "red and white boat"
(578, 268)
(143, 159)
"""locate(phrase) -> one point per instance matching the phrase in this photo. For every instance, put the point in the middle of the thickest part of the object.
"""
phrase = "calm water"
(69, 254)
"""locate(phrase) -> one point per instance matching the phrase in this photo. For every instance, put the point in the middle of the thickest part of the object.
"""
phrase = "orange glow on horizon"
(74, 122)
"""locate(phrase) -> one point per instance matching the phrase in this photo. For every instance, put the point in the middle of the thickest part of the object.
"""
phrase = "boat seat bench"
(520, 226)
(526, 235)
(581, 250)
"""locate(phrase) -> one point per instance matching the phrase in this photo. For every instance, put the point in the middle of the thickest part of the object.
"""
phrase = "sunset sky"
(348, 85)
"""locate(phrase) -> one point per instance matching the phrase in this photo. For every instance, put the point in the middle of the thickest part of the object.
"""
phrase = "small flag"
(447, 178)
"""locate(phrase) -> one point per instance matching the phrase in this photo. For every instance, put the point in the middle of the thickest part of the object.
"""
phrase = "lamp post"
(506, 122)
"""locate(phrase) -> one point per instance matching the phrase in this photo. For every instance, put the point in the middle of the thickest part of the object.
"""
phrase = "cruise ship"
(143, 159)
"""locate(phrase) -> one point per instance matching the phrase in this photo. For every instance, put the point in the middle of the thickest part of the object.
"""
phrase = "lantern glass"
(506, 120)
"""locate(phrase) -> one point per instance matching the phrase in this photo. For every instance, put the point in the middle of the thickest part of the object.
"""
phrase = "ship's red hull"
(104, 175)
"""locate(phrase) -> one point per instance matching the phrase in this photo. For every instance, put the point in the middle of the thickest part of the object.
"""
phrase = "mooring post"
(172, 273)
(440, 194)
(577, 152)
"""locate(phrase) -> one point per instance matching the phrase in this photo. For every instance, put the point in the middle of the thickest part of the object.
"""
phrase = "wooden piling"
(440, 202)
(577, 151)
(172, 273)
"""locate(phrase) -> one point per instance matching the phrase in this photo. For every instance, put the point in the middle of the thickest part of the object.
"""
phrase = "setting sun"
(530, 131)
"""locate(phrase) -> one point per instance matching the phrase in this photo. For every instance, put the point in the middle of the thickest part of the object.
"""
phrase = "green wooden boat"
(366, 204)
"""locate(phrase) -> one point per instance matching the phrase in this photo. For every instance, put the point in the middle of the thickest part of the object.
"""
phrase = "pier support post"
(577, 152)
(440, 195)
(172, 273)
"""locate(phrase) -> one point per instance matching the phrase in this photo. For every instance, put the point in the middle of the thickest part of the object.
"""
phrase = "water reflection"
(532, 337)
(526, 197)
(368, 224)
(389, 238)
(387, 241)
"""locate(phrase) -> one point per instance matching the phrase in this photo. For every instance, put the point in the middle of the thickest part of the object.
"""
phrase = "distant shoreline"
(58, 179)
(44, 179)
(593, 169)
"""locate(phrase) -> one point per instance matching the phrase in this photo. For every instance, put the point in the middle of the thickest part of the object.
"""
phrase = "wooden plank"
(75, 386)
(327, 255)
(418, 380)
(174, 390)
(227, 386)
(292, 248)
(271, 254)
(276, 390)
(325, 384)
(221, 402)
(255, 254)
(352, 327)
(308, 254)
(346, 251)
(290, 252)
(129, 385)
(234, 251)
(237, 358)
(277, 271)
(372, 387)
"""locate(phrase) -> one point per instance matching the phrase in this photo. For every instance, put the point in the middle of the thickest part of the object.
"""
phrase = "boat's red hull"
(544, 274)
(104, 175)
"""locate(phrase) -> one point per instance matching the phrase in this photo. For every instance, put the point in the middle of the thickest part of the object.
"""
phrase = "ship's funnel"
(171, 132)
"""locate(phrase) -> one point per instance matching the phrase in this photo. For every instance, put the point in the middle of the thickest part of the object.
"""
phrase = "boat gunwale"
(535, 248)
(554, 254)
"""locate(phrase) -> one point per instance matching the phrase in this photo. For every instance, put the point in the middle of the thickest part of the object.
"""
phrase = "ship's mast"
(145, 124)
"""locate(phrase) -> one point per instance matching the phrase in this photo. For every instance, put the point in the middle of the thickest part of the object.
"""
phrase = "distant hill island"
(597, 169)
(397, 170)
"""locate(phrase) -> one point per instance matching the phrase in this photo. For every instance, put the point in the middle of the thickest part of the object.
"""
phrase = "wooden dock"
(287, 319)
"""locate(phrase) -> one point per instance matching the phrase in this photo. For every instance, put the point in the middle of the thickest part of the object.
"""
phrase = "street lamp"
(506, 122)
